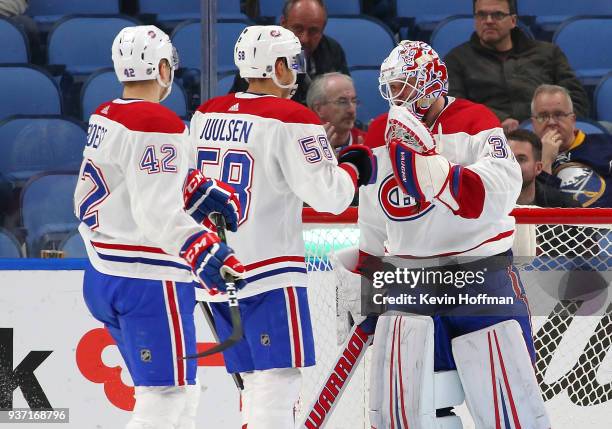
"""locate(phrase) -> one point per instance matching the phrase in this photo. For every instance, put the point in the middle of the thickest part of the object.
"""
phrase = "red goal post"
(574, 356)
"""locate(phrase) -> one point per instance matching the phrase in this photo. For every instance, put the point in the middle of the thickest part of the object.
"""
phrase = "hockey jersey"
(276, 155)
(129, 193)
(391, 222)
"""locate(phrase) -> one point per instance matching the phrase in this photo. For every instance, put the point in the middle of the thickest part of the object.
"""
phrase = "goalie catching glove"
(203, 196)
(211, 260)
(419, 170)
(361, 160)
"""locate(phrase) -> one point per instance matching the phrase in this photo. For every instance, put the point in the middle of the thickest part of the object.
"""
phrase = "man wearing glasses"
(332, 97)
(578, 164)
(501, 66)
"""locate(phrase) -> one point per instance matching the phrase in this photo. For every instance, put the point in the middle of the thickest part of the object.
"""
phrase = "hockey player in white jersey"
(446, 184)
(276, 154)
(143, 246)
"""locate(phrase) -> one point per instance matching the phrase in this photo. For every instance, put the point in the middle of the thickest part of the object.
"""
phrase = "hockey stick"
(341, 372)
(232, 298)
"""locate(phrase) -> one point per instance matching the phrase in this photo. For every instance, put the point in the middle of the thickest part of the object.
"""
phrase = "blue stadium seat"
(343, 7)
(31, 91)
(30, 145)
(168, 11)
(83, 43)
(427, 13)
(103, 86)
(73, 246)
(366, 42)
(187, 39)
(270, 7)
(47, 11)
(47, 210)
(224, 82)
(9, 246)
(15, 47)
(603, 98)
(585, 42)
(550, 13)
(587, 125)
(455, 30)
(366, 88)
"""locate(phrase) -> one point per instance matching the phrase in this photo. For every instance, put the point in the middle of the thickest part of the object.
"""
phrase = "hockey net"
(573, 339)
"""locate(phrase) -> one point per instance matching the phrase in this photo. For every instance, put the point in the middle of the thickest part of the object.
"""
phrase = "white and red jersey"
(129, 193)
(276, 155)
(392, 223)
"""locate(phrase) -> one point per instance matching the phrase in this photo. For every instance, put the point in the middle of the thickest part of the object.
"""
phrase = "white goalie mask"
(258, 47)
(421, 73)
(136, 54)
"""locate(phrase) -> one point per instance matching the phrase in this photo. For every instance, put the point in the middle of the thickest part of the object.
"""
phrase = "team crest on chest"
(396, 205)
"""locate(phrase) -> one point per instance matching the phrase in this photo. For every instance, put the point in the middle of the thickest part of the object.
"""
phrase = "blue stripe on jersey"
(135, 260)
(275, 273)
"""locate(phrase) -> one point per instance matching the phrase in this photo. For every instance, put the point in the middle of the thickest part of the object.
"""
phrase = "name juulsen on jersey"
(95, 135)
(231, 130)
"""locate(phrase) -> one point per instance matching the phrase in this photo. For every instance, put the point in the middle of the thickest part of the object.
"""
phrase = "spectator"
(14, 11)
(500, 66)
(332, 97)
(527, 149)
(307, 19)
(578, 164)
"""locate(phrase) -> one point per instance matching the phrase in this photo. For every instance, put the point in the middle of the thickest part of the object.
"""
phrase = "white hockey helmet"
(415, 65)
(259, 46)
(137, 51)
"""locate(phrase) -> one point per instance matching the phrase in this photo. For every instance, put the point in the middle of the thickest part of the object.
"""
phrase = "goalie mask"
(258, 48)
(137, 52)
(417, 74)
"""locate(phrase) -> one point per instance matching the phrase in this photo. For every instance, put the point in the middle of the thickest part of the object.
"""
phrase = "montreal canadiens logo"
(396, 205)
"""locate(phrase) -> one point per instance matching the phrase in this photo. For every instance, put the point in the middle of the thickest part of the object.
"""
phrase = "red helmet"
(414, 65)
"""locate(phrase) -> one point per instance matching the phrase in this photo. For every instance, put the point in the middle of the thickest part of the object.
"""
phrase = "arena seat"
(30, 89)
(9, 246)
(15, 43)
(603, 98)
(365, 80)
(48, 11)
(73, 246)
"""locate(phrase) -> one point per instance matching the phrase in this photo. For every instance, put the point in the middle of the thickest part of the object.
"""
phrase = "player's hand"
(203, 197)
(551, 144)
(509, 125)
(211, 260)
(361, 160)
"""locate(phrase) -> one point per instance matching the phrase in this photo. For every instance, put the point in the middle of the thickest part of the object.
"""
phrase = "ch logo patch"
(145, 355)
(265, 340)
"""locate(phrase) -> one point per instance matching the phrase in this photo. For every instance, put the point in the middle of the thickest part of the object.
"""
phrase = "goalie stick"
(232, 298)
(343, 368)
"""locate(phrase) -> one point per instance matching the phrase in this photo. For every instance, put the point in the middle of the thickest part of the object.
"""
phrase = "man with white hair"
(332, 96)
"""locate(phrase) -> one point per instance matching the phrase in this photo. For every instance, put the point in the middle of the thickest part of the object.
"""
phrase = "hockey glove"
(204, 196)
(211, 260)
(419, 170)
(361, 160)
(426, 177)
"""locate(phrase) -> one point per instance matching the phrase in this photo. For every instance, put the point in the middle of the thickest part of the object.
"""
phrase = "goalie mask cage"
(574, 360)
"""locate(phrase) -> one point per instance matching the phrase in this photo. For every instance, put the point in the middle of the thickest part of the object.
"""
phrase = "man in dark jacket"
(527, 149)
(307, 19)
(501, 66)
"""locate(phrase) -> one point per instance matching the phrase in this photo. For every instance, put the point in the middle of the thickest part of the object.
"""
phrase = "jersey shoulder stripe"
(287, 111)
(142, 116)
(464, 116)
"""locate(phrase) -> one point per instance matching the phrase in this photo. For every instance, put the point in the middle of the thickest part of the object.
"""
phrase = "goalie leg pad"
(404, 390)
(500, 385)
(157, 407)
(270, 397)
